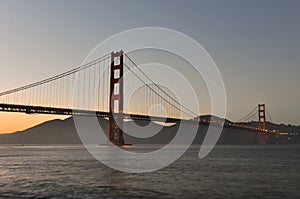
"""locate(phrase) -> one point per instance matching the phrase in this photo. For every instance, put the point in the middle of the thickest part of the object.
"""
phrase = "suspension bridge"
(97, 88)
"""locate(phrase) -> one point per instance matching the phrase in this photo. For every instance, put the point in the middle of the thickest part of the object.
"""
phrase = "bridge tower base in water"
(115, 125)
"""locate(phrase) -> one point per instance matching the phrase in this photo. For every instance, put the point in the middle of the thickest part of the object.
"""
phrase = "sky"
(255, 44)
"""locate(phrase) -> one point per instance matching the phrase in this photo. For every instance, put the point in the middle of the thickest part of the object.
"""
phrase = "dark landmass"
(64, 132)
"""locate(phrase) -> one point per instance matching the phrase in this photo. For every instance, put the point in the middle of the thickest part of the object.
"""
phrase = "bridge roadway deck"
(88, 113)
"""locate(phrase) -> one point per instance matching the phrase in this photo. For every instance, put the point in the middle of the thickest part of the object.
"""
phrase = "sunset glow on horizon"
(13, 122)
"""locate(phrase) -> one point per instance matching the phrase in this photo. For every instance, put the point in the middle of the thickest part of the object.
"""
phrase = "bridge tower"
(262, 136)
(262, 116)
(115, 133)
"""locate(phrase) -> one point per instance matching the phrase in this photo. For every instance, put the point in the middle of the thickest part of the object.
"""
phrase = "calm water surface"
(227, 172)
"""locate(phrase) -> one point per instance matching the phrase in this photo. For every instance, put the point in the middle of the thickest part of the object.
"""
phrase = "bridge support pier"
(262, 138)
(115, 132)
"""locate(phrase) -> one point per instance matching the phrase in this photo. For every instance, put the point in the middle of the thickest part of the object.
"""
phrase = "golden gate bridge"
(97, 88)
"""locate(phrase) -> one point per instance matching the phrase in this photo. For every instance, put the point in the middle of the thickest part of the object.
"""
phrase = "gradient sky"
(256, 45)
